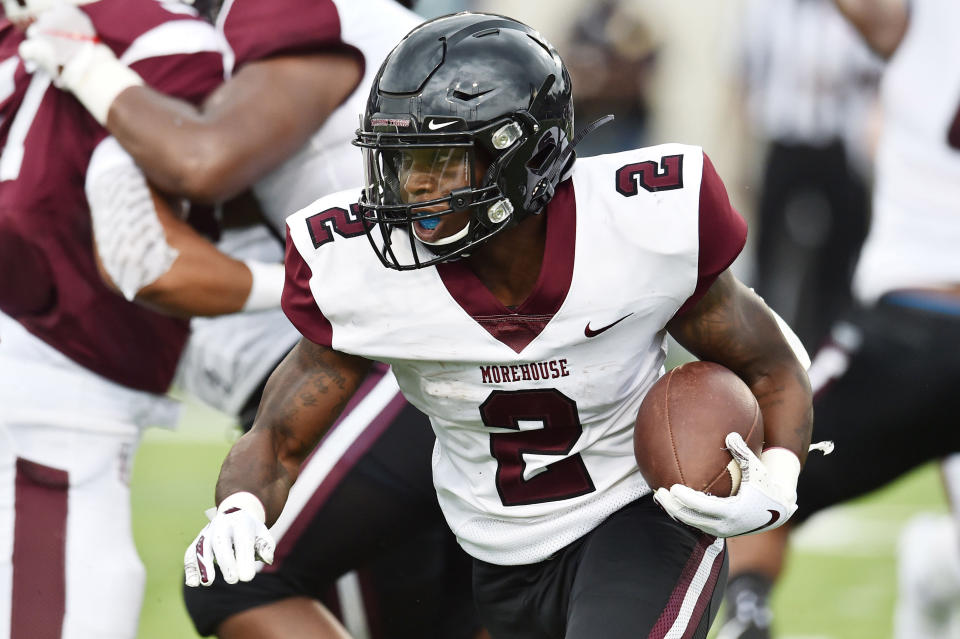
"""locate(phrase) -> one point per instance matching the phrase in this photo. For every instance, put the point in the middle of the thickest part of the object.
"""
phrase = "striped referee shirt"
(810, 78)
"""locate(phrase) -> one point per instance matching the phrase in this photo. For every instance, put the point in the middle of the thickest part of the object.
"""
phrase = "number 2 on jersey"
(561, 429)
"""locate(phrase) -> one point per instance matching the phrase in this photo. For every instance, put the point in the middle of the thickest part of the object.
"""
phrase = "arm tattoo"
(302, 399)
(320, 385)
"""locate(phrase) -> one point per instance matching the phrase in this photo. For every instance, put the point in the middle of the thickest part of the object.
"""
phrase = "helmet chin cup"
(456, 237)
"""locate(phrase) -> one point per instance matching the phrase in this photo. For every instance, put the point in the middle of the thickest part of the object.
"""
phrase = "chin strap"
(578, 138)
(543, 192)
(587, 130)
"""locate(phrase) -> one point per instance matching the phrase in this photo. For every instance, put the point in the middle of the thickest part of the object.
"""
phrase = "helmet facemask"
(437, 194)
(488, 98)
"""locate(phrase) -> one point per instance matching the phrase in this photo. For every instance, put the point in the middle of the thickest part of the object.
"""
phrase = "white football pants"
(68, 566)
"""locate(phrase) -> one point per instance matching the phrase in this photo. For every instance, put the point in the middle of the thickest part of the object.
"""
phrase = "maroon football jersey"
(50, 282)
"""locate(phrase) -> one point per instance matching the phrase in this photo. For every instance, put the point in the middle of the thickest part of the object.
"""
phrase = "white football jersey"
(533, 406)
(915, 229)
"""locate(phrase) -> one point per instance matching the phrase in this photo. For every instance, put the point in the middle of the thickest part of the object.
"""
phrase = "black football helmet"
(480, 100)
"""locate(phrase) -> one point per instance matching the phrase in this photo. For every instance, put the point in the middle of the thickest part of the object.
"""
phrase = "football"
(683, 422)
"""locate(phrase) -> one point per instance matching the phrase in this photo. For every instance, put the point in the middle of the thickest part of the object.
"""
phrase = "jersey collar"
(516, 327)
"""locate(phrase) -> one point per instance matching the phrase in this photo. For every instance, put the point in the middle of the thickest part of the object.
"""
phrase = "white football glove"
(235, 538)
(766, 499)
(64, 44)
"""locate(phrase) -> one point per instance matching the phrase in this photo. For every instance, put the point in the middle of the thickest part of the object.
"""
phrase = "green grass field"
(173, 481)
(840, 582)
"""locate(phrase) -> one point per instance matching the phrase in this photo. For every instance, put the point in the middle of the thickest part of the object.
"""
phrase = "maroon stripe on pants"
(707, 594)
(672, 610)
(371, 606)
(39, 551)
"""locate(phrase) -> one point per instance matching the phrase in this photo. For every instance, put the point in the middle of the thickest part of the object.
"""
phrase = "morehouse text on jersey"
(534, 371)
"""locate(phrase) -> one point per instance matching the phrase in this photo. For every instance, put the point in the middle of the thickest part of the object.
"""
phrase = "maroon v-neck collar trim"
(519, 326)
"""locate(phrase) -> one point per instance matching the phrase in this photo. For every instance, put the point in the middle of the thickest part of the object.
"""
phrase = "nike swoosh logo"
(589, 332)
(433, 125)
(774, 516)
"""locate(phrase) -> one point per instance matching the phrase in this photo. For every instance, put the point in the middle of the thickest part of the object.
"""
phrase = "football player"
(320, 56)
(83, 369)
(887, 379)
(523, 301)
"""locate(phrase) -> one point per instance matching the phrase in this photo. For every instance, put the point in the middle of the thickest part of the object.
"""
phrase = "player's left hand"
(766, 499)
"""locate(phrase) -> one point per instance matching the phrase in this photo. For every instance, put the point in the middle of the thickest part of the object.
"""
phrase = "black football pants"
(639, 574)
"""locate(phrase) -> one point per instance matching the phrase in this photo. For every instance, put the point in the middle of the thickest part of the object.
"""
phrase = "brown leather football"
(682, 424)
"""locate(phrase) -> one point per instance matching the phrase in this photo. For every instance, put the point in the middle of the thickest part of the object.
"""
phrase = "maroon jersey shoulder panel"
(722, 231)
(298, 302)
(256, 29)
(519, 326)
(191, 77)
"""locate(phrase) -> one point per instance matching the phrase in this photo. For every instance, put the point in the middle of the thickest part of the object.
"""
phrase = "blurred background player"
(887, 378)
(810, 84)
(82, 369)
(611, 54)
(319, 56)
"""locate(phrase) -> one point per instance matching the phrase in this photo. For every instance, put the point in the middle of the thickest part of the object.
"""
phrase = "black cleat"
(748, 614)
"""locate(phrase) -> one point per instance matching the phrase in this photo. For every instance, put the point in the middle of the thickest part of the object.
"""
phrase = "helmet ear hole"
(543, 157)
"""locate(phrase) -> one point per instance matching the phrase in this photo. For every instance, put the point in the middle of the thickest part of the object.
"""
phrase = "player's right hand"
(234, 539)
(766, 499)
(64, 44)
(59, 35)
